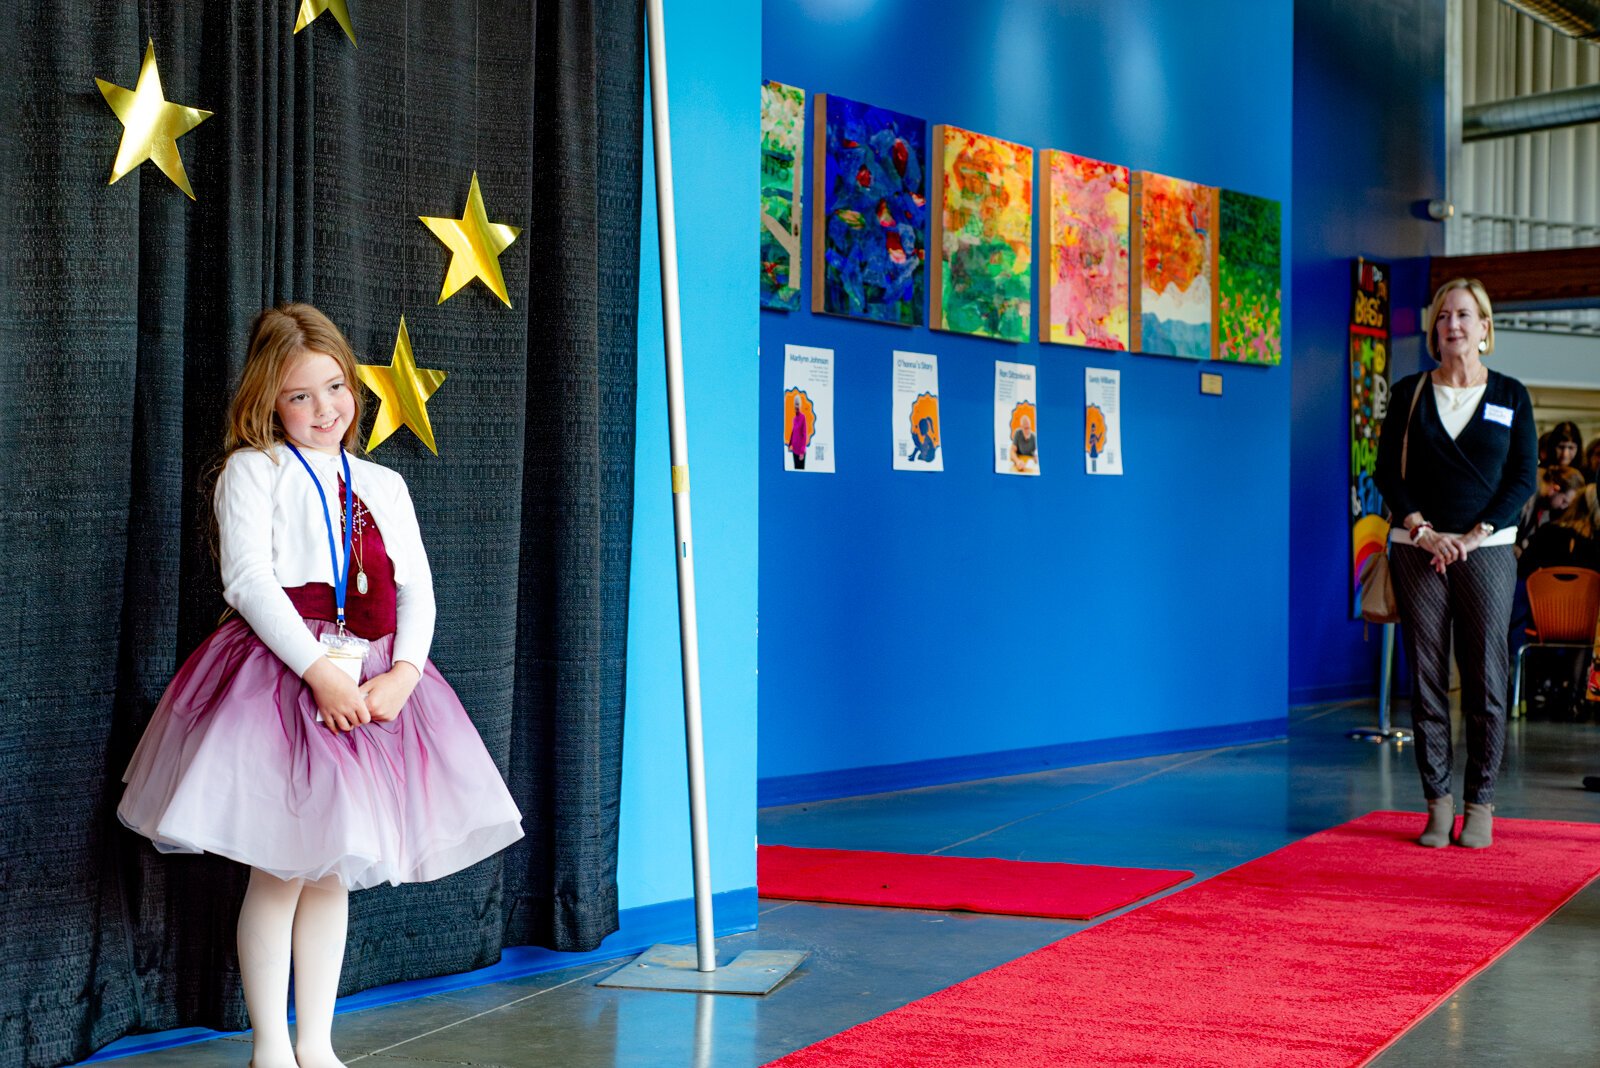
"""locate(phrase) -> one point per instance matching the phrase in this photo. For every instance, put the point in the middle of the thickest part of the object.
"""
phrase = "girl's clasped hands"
(344, 706)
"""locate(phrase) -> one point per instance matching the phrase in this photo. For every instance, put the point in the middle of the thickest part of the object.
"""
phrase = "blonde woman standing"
(1471, 460)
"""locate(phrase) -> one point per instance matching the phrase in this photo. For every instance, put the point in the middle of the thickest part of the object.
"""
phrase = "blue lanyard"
(340, 577)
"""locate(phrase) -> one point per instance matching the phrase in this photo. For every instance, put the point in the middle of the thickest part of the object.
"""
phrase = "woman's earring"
(1483, 346)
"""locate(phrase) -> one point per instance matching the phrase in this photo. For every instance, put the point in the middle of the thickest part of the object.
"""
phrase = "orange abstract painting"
(1175, 254)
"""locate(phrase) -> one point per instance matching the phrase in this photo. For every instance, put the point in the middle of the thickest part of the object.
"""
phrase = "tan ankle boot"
(1477, 830)
(1441, 821)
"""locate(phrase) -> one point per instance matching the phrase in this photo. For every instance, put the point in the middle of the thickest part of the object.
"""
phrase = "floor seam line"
(1087, 797)
(485, 1012)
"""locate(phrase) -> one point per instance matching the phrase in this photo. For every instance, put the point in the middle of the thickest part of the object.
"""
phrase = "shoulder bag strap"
(1405, 440)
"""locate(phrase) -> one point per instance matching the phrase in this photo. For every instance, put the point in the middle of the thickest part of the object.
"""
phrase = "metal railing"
(1480, 232)
(1476, 233)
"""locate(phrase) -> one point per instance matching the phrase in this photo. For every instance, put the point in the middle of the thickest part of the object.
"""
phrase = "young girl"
(310, 737)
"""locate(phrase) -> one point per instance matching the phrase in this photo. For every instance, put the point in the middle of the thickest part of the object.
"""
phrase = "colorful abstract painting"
(1083, 206)
(783, 124)
(1249, 279)
(870, 212)
(982, 235)
(1173, 251)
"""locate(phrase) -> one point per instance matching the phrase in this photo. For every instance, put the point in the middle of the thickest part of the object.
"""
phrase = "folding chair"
(1565, 602)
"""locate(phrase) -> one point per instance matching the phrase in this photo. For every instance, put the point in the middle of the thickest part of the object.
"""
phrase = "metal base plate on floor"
(755, 971)
(1396, 735)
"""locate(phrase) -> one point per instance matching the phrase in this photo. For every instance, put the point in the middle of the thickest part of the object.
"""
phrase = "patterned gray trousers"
(1472, 599)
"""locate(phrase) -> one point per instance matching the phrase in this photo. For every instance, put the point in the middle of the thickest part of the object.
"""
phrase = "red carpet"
(965, 884)
(1320, 954)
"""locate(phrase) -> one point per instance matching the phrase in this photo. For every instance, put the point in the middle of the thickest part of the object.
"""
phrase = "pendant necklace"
(1459, 395)
(356, 539)
(361, 530)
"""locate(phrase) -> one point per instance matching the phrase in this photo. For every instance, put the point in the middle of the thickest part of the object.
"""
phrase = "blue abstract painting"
(870, 226)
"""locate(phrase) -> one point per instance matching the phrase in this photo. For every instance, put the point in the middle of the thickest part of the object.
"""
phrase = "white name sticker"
(1496, 414)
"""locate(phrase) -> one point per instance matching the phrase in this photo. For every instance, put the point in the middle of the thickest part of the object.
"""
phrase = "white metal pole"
(1386, 680)
(705, 929)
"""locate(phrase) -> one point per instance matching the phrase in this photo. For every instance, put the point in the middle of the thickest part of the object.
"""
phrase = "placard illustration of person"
(1024, 442)
(1094, 434)
(925, 428)
(801, 420)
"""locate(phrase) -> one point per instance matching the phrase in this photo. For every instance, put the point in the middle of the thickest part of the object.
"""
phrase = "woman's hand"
(340, 702)
(386, 694)
(1446, 548)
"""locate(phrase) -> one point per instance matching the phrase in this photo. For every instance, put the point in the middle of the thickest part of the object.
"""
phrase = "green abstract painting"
(983, 235)
(1249, 279)
(783, 120)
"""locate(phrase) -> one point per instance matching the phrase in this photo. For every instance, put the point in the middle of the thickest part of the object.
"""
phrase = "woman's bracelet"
(1417, 530)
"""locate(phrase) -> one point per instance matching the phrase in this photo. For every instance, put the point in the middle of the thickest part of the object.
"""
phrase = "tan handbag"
(1378, 604)
(1377, 591)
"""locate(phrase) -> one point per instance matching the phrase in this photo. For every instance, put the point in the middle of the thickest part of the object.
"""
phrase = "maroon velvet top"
(369, 615)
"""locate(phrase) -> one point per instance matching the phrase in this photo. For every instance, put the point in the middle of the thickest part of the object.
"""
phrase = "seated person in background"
(1591, 460)
(1569, 539)
(1556, 687)
(1566, 442)
(1557, 487)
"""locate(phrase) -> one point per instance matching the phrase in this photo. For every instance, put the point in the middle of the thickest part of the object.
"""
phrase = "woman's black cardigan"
(1485, 475)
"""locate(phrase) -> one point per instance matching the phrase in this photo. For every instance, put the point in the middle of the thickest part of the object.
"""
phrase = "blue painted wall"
(1369, 149)
(714, 75)
(929, 617)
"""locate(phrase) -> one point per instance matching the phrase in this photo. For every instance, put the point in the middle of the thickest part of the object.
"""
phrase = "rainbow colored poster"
(915, 413)
(1174, 254)
(1016, 418)
(807, 409)
(1083, 208)
(1369, 403)
(982, 235)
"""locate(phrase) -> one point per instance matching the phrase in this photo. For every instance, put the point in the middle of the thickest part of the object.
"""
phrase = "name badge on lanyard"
(347, 651)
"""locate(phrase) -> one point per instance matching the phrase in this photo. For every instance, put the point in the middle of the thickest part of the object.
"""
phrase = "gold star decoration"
(310, 10)
(476, 244)
(151, 125)
(403, 390)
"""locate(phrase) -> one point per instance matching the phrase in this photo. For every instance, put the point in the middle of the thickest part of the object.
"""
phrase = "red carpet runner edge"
(955, 884)
(1318, 955)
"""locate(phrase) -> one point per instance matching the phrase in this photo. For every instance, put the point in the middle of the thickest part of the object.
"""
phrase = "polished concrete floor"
(1206, 812)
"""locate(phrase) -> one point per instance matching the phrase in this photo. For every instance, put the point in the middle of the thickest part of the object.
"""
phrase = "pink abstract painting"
(1085, 240)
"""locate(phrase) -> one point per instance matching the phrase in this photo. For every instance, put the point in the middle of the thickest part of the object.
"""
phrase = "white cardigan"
(273, 537)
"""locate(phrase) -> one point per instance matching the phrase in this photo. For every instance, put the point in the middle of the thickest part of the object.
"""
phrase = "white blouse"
(272, 533)
(1457, 405)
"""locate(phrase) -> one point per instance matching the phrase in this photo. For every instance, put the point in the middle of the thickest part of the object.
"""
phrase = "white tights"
(307, 920)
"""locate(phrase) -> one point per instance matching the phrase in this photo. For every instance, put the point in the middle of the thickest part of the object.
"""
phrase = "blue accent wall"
(915, 617)
(1369, 150)
(713, 82)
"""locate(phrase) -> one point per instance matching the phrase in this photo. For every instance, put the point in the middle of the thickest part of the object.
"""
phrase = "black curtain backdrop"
(123, 319)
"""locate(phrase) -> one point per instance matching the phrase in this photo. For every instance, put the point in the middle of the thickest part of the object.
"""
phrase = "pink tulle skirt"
(234, 762)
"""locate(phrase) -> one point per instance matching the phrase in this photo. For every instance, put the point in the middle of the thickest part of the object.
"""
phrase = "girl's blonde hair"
(1480, 297)
(278, 338)
(1559, 478)
(1583, 514)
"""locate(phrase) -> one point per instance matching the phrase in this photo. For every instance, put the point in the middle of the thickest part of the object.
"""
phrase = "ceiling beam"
(1550, 278)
